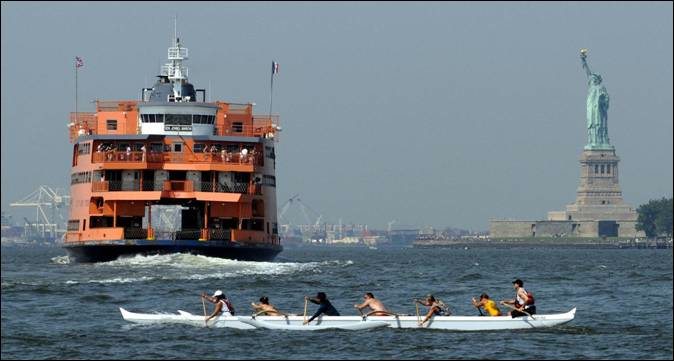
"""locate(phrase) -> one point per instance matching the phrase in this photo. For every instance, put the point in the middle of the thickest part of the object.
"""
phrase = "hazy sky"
(444, 114)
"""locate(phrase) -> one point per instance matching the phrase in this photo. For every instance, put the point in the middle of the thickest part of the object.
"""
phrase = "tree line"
(655, 218)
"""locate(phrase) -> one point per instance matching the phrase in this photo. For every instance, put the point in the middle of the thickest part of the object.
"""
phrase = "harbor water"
(53, 308)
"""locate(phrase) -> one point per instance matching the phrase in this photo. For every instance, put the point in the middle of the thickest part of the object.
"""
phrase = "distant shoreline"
(549, 242)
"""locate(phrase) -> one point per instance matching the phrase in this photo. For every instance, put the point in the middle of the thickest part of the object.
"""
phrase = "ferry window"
(156, 147)
(241, 177)
(211, 119)
(232, 148)
(177, 147)
(84, 224)
(159, 118)
(148, 118)
(74, 225)
(199, 148)
(237, 127)
(111, 124)
(178, 119)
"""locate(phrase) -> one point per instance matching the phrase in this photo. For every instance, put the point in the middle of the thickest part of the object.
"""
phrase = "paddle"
(387, 313)
(306, 302)
(517, 309)
(203, 303)
(478, 307)
(479, 310)
(417, 305)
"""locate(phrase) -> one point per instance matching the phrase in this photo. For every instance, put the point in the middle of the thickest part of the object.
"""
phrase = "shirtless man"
(264, 307)
(377, 307)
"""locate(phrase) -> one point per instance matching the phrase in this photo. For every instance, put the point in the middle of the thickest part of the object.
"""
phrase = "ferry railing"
(220, 234)
(179, 186)
(188, 234)
(242, 188)
(252, 158)
(101, 186)
(126, 157)
(265, 129)
(135, 233)
(82, 124)
(175, 186)
(116, 105)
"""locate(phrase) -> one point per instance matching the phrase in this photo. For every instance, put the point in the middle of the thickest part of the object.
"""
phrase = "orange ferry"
(215, 160)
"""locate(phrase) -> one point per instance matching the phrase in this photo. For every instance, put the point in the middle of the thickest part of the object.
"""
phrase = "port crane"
(49, 204)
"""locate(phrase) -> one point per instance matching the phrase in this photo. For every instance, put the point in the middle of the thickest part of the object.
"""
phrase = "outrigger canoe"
(453, 323)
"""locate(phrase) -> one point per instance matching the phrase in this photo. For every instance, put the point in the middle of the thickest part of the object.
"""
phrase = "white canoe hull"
(184, 318)
(453, 323)
(292, 326)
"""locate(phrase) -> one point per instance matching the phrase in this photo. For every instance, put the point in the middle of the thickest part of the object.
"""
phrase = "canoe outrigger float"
(451, 323)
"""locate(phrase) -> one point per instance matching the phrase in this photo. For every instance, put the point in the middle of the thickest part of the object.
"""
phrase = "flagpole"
(77, 118)
(271, 92)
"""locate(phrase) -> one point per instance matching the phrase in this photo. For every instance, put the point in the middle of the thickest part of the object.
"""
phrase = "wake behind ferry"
(213, 160)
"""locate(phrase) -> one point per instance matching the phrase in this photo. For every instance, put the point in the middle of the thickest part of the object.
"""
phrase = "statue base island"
(599, 209)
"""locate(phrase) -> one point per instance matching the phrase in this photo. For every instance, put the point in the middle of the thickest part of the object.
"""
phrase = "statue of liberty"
(597, 109)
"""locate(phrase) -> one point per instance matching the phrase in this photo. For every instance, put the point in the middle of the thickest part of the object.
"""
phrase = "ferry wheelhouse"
(213, 161)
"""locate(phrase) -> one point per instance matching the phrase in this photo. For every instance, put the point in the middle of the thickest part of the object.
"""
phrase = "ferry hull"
(89, 252)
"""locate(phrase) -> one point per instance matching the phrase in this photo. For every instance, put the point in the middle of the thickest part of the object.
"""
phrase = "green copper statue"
(597, 109)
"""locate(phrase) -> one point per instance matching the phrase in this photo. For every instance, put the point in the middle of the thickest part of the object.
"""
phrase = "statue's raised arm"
(583, 56)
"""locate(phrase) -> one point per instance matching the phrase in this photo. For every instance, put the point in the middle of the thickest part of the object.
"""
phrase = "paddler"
(377, 307)
(488, 305)
(325, 308)
(523, 302)
(435, 308)
(264, 307)
(222, 304)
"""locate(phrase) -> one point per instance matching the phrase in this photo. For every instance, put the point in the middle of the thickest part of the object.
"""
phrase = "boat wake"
(61, 260)
(198, 267)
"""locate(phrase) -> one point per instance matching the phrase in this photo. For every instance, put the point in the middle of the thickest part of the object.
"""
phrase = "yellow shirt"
(490, 307)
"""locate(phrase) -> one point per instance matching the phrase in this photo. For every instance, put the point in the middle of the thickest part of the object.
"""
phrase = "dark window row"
(84, 148)
(80, 177)
(178, 119)
(269, 180)
(74, 225)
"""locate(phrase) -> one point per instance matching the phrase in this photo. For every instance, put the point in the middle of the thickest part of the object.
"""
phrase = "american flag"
(274, 67)
(78, 62)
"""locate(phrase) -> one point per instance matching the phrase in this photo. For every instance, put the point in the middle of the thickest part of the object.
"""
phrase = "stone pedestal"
(599, 198)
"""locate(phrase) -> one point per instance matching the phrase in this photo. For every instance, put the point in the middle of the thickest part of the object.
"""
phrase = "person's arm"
(423, 302)
(362, 305)
(429, 315)
(320, 311)
(314, 300)
(216, 311)
(207, 298)
(507, 302)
